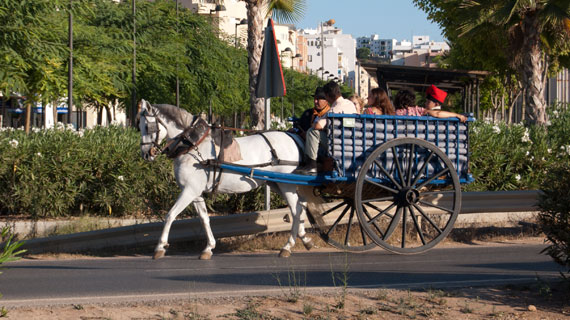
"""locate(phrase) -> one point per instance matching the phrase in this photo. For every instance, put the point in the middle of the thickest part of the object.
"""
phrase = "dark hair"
(332, 90)
(404, 98)
(381, 101)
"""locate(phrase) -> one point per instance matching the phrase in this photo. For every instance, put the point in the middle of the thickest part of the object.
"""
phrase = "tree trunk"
(109, 115)
(254, 47)
(533, 70)
(99, 113)
(503, 107)
(27, 124)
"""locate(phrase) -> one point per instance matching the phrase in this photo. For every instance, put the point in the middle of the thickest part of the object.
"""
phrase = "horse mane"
(179, 116)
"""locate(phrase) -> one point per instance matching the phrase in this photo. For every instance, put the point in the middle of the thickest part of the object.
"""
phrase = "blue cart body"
(352, 137)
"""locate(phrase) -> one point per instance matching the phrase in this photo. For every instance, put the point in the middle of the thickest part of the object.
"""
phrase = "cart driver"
(316, 139)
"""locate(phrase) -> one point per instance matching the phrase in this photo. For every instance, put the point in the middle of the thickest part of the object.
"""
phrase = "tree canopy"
(518, 38)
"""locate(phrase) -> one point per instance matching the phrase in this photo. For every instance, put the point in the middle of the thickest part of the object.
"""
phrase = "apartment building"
(330, 53)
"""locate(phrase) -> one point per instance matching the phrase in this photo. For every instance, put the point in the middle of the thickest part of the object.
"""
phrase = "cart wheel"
(407, 195)
(338, 226)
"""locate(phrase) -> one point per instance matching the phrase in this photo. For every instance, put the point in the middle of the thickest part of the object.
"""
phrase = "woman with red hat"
(405, 104)
(434, 98)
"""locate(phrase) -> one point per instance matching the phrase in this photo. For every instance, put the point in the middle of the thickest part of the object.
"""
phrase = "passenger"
(306, 120)
(358, 102)
(316, 139)
(405, 102)
(434, 98)
(379, 103)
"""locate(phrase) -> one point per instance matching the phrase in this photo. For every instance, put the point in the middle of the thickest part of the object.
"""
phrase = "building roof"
(419, 78)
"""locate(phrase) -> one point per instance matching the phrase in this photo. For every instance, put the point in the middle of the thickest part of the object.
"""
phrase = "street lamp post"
(241, 23)
(177, 80)
(134, 72)
(70, 67)
(322, 50)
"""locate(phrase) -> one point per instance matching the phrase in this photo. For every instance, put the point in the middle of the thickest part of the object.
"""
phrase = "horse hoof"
(309, 245)
(284, 253)
(158, 254)
(206, 256)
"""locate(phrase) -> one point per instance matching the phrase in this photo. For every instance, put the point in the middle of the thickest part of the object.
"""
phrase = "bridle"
(152, 128)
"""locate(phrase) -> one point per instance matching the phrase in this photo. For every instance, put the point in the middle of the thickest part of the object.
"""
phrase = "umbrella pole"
(267, 127)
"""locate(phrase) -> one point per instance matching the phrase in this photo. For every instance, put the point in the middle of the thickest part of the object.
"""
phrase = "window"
(310, 58)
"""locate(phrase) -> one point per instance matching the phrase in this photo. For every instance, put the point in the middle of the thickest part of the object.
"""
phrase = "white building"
(227, 17)
(336, 59)
(418, 52)
(378, 47)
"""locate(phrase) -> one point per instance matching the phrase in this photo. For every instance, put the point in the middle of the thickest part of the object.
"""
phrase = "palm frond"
(555, 13)
(286, 11)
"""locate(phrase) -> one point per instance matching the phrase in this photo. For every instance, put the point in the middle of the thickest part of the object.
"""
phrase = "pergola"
(394, 77)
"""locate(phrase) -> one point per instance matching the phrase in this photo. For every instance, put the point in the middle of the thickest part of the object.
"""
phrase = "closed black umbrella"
(270, 82)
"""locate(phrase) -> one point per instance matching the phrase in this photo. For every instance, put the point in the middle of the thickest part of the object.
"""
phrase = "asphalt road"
(46, 282)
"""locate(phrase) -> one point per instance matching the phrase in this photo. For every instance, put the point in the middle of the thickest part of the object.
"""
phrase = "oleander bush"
(515, 157)
(62, 172)
(554, 218)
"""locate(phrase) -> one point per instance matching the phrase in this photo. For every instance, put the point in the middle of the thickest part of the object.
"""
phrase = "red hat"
(436, 94)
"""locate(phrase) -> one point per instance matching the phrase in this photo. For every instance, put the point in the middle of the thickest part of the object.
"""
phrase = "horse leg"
(307, 241)
(200, 206)
(181, 203)
(297, 228)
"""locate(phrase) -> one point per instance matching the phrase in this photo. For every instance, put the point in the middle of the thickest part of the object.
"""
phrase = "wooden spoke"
(398, 165)
(378, 199)
(376, 226)
(334, 208)
(410, 165)
(435, 176)
(388, 175)
(346, 238)
(427, 218)
(420, 172)
(383, 212)
(394, 222)
(416, 224)
(435, 206)
(405, 210)
(381, 186)
(338, 220)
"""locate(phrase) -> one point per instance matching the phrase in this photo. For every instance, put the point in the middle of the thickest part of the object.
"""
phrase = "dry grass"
(508, 302)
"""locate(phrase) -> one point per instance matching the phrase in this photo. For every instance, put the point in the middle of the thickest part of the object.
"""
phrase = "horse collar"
(190, 138)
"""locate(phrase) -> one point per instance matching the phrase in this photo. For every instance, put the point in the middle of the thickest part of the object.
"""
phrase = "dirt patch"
(536, 301)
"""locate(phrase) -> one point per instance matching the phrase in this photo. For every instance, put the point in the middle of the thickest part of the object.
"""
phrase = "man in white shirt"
(316, 138)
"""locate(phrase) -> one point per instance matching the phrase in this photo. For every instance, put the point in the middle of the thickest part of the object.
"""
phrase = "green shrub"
(554, 218)
(514, 157)
(51, 173)
(62, 172)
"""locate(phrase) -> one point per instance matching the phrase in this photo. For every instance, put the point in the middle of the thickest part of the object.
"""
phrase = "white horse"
(159, 122)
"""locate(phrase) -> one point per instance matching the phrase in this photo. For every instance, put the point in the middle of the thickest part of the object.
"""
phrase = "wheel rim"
(339, 227)
(407, 195)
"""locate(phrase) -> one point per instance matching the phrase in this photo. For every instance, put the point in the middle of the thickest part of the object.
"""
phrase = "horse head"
(153, 130)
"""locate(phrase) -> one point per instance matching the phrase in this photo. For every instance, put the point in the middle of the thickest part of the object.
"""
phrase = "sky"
(397, 19)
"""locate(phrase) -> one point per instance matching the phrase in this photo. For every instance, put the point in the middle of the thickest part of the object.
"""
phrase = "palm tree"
(535, 27)
(286, 11)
